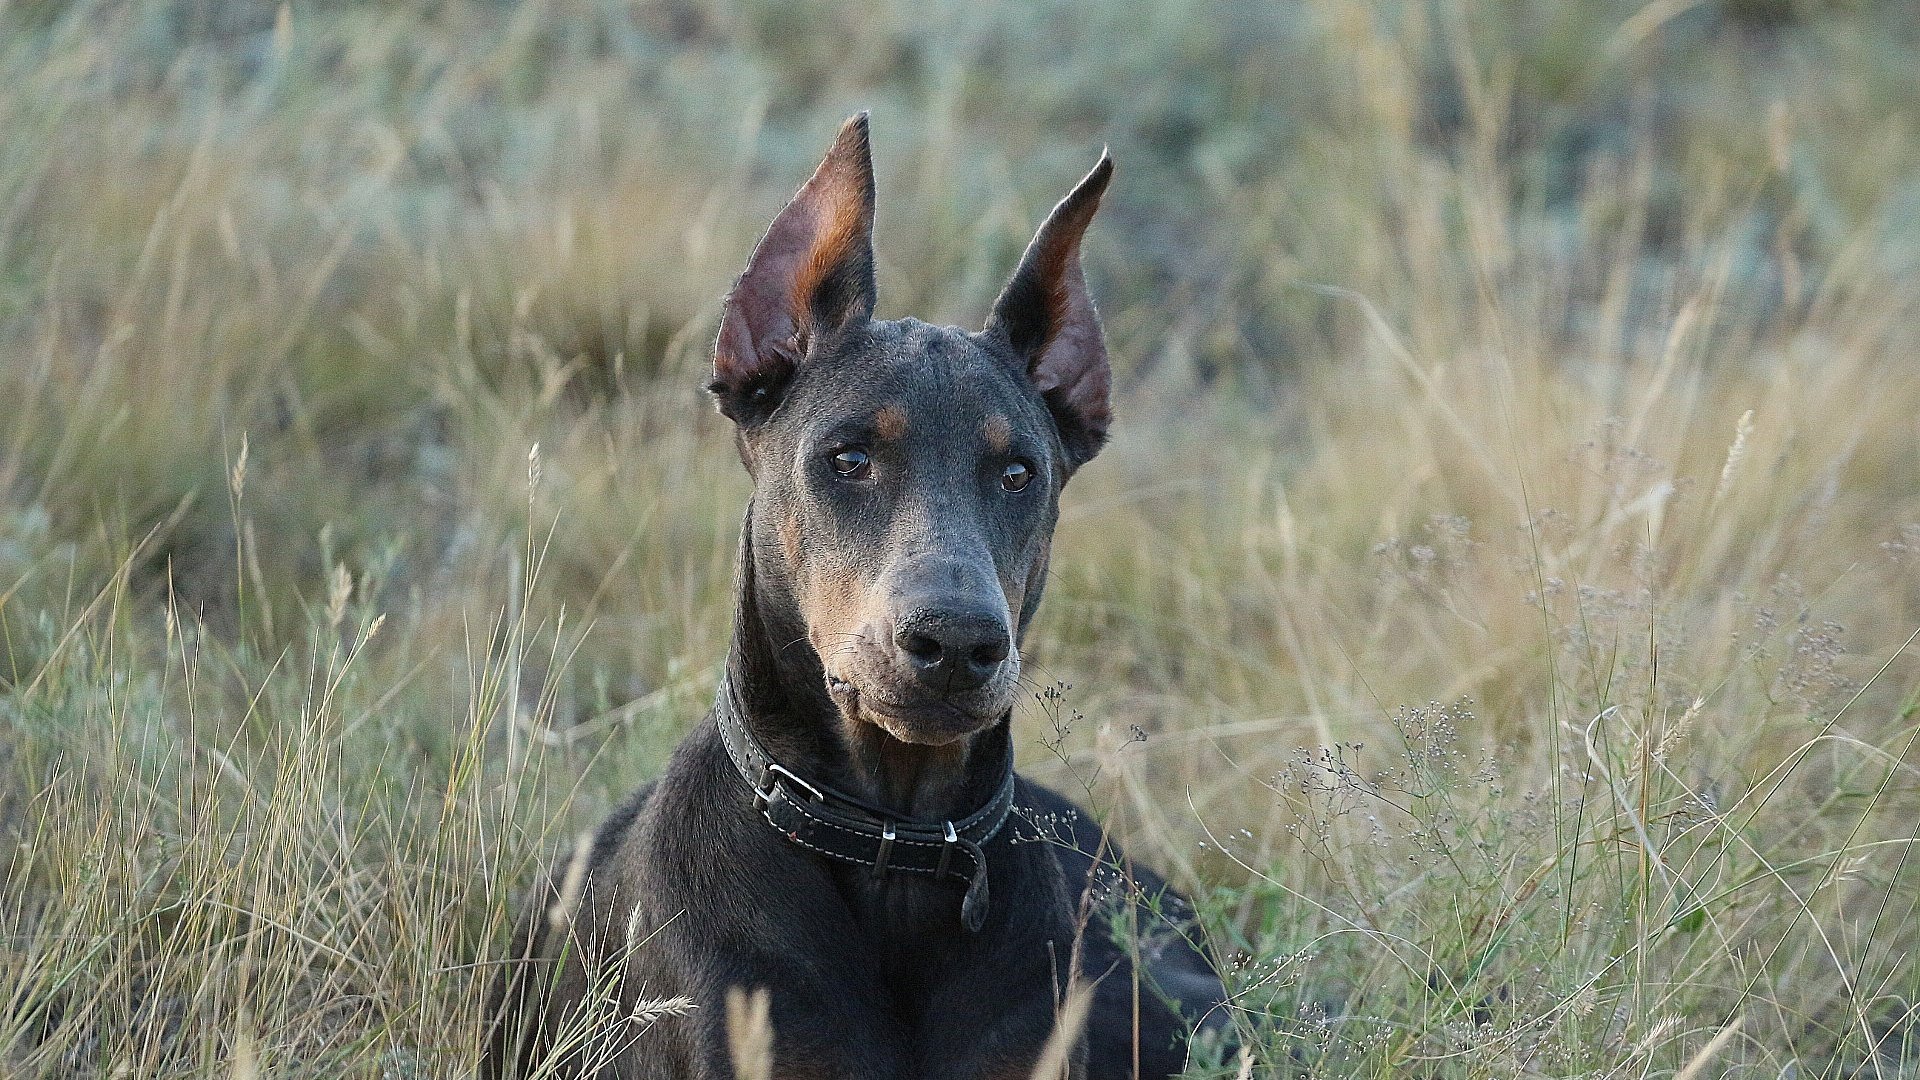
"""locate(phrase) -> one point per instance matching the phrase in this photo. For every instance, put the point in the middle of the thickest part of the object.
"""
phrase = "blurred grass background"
(1496, 605)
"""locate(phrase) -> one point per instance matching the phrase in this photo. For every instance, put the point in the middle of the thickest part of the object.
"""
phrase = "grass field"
(1498, 606)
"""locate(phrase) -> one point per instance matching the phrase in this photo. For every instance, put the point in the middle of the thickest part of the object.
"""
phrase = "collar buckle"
(770, 777)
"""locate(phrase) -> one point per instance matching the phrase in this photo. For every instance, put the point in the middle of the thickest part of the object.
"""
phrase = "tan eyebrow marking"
(999, 433)
(890, 423)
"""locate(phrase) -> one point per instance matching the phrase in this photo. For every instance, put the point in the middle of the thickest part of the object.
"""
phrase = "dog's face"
(906, 489)
(906, 476)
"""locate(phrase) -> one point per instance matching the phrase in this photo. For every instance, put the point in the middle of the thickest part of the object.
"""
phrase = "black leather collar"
(853, 830)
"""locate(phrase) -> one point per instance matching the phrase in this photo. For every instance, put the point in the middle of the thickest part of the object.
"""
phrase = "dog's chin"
(927, 723)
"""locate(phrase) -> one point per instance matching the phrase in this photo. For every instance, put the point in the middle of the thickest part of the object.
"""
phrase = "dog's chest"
(912, 924)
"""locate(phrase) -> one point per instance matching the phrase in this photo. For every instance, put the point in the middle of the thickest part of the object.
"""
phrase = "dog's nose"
(952, 650)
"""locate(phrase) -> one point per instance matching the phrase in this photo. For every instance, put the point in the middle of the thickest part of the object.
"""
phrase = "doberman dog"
(845, 829)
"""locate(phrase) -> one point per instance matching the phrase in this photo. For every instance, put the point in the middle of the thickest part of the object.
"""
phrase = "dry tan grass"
(1497, 605)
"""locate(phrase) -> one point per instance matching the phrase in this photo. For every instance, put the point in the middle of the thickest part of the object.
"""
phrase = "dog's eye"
(1017, 475)
(852, 463)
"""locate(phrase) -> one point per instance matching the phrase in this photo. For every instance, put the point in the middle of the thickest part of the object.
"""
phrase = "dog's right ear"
(1046, 315)
(809, 279)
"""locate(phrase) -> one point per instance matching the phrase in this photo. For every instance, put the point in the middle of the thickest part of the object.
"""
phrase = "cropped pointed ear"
(809, 279)
(1047, 317)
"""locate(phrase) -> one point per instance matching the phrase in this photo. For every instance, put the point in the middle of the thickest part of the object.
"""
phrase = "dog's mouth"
(927, 722)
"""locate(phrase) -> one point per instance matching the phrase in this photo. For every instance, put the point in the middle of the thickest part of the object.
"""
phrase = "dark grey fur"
(875, 649)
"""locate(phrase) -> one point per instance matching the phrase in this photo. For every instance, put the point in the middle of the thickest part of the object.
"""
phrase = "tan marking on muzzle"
(833, 607)
(834, 610)
(790, 540)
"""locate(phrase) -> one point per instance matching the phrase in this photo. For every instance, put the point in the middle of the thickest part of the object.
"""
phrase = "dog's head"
(906, 476)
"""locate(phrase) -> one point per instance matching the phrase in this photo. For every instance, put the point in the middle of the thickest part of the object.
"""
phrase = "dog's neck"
(780, 687)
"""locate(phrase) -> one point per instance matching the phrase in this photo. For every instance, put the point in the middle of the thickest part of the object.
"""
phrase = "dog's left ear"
(809, 278)
(1047, 316)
